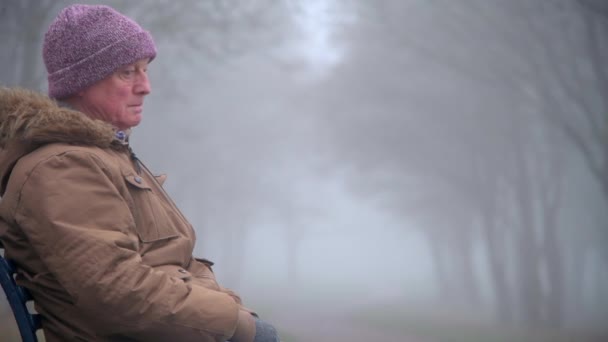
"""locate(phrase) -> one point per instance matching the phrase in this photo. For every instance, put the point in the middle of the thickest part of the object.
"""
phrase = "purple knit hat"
(85, 43)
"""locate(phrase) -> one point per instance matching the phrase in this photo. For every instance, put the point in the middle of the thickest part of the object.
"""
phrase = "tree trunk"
(441, 271)
(468, 288)
(555, 266)
(529, 283)
(234, 254)
(497, 256)
(576, 272)
(292, 255)
(530, 294)
(552, 252)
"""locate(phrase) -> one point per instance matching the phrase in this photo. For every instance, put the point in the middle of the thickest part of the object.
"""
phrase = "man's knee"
(265, 332)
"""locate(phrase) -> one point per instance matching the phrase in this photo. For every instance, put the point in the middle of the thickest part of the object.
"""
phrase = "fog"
(396, 170)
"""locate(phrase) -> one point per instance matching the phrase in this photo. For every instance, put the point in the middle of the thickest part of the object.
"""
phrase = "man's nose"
(143, 84)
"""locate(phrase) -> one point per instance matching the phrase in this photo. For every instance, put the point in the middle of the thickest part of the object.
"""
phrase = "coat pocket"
(203, 275)
(207, 262)
(151, 220)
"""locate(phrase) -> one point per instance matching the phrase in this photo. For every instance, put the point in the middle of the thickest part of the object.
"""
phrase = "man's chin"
(136, 120)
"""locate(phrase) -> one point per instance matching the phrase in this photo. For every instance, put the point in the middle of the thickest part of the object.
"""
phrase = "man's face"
(118, 98)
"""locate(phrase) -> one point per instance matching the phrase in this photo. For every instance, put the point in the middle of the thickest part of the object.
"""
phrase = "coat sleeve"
(81, 226)
(202, 270)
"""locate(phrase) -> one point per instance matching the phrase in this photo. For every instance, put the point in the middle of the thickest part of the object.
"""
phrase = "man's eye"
(128, 72)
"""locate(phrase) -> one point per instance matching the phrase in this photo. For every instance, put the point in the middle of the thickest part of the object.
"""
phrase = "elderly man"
(104, 251)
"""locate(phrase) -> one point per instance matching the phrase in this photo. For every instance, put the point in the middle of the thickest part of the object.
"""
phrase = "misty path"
(307, 326)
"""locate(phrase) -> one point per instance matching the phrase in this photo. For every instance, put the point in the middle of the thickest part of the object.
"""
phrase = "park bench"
(18, 297)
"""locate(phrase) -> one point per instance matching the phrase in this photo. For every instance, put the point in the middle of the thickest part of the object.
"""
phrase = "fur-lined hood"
(33, 118)
(29, 120)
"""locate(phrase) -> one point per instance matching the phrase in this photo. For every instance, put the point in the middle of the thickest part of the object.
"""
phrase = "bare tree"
(494, 143)
(195, 31)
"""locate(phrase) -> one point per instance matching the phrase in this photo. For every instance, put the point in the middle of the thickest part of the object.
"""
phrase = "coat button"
(138, 180)
(181, 270)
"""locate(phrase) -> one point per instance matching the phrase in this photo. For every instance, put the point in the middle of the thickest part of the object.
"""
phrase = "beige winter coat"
(99, 243)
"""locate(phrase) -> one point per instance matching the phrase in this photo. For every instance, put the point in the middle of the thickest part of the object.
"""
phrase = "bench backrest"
(17, 297)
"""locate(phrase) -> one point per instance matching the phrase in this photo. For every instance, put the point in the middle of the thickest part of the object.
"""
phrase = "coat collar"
(29, 120)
